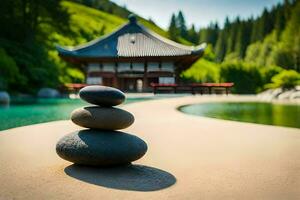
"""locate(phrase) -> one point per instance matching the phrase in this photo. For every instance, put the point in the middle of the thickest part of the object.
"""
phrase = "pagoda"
(131, 58)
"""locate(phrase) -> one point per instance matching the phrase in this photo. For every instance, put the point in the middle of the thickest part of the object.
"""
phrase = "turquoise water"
(33, 111)
(254, 112)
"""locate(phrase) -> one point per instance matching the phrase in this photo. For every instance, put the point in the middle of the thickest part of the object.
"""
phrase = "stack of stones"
(101, 144)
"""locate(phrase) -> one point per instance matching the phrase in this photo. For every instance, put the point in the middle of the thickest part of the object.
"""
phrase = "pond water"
(32, 111)
(254, 112)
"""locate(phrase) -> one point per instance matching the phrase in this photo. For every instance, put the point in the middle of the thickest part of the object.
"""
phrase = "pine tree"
(242, 40)
(193, 35)
(173, 30)
(232, 35)
(180, 20)
(291, 36)
(279, 19)
(220, 48)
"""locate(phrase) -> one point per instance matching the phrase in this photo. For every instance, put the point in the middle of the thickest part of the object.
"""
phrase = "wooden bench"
(192, 87)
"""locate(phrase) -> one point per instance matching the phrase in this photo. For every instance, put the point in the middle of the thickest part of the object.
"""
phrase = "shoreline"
(210, 98)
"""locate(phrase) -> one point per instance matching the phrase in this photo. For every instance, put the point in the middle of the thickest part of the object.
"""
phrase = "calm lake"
(33, 111)
(254, 112)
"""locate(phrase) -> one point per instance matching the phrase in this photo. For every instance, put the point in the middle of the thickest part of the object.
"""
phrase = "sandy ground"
(189, 157)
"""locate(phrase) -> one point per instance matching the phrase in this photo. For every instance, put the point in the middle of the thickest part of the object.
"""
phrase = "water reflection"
(255, 112)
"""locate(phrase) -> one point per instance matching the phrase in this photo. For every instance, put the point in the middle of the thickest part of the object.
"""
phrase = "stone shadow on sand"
(130, 177)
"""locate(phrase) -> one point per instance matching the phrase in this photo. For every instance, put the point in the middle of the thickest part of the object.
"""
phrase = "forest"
(255, 53)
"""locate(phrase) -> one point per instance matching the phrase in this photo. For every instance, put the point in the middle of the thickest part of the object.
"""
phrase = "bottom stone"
(100, 148)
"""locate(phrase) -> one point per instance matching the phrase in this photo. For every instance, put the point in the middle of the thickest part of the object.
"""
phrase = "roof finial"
(132, 18)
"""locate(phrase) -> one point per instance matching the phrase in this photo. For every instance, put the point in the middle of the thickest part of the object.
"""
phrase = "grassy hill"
(88, 23)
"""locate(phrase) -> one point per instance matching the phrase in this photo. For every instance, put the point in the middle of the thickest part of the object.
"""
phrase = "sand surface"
(189, 157)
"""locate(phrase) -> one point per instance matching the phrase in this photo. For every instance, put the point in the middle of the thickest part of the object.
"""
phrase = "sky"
(198, 12)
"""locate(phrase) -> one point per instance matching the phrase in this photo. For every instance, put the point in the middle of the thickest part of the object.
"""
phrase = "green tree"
(269, 72)
(193, 35)
(291, 37)
(173, 29)
(209, 34)
(286, 79)
(10, 75)
(28, 15)
(252, 52)
(247, 78)
(220, 48)
(181, 24)
(221, 44)
(202, 71)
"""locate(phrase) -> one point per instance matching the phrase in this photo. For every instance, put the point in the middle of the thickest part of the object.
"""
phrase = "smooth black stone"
(102, 95)
(100, 148)
(107, 118)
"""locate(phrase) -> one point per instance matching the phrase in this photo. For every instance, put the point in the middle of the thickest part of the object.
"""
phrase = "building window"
(138, 67)
(108, 67)
(94, 80)
(153, 66)
(167, 66)
(93, 67)
(123, 67)
(166, 80)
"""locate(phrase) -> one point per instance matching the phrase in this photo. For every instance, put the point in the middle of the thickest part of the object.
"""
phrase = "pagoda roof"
(130, 40)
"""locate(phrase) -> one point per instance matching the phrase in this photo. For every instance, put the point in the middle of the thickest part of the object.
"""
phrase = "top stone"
(102, 95)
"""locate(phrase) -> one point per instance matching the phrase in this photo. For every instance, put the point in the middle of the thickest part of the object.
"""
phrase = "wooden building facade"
(132, 57)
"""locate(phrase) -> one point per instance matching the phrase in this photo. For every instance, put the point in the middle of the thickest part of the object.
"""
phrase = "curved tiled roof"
(131, 40)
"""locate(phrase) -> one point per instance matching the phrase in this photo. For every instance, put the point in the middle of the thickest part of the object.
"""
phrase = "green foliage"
(209, 34)
(286, 79)
(33, 64)
(291, 37)
(281, 47)
(281, 56)
(27, 16)
(86, 24)
(181, 25)
(233, 56)
(110, 10)
(193, 35)
(220, 47)
(173, 29)
(202, 71)
(9, 71)
(106, 6)
(209, 53)
(268, 73)
(260, 53)
(247, 78)
(237, 36)
(251, 50)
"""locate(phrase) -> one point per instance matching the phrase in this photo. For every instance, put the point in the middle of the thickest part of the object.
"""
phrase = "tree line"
(273, 38)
